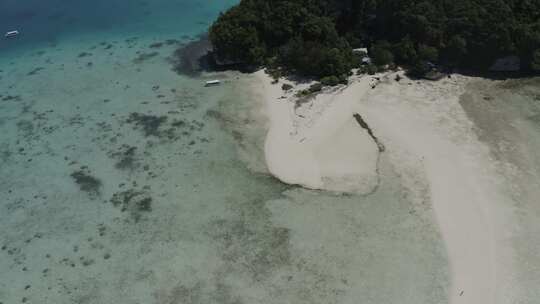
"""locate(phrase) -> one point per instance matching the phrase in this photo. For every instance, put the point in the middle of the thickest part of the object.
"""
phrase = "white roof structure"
(360, 50)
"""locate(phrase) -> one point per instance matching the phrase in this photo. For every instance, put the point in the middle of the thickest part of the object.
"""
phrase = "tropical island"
(336, 129)
(318, 37)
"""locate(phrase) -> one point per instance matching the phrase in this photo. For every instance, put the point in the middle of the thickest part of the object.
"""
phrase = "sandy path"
(459, 195)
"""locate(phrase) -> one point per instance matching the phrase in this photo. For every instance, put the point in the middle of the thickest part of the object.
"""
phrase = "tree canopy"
(316, 37)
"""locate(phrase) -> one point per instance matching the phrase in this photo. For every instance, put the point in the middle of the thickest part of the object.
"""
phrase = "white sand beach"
(318, 144)
(426, 135)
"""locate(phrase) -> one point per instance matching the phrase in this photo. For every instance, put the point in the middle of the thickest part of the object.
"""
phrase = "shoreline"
(424, 127)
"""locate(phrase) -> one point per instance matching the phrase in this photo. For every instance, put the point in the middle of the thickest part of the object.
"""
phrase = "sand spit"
(427, 135)
(317, 143)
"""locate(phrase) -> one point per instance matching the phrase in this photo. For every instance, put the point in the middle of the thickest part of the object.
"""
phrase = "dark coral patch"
(87, 182)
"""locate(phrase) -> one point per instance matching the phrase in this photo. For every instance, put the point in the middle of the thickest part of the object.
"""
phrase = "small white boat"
(212, 83)
(12, 34)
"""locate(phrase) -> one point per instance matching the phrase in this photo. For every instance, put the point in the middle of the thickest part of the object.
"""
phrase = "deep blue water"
(50, 21)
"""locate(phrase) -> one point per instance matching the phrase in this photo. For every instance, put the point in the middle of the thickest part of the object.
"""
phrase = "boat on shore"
(12, 34)
(212, 83)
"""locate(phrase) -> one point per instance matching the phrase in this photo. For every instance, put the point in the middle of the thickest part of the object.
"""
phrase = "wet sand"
(506, 119)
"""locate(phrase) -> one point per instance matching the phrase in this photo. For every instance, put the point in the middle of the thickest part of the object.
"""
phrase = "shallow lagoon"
(124, 182)
(506, 116)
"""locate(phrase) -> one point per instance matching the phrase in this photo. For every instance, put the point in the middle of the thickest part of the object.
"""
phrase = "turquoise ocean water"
(122, 181)
(53, 21)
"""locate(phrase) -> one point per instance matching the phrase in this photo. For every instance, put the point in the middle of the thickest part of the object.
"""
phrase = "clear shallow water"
(122, 181)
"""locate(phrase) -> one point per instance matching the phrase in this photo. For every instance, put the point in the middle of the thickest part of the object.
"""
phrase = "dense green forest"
(316, 37)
